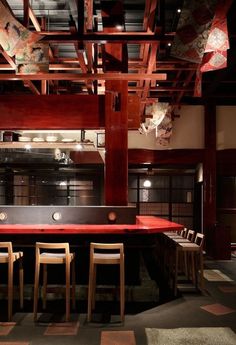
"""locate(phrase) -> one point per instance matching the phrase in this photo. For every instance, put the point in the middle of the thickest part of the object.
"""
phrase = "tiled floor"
(216, 307)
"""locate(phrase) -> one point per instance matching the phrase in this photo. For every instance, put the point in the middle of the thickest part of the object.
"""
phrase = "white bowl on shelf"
(67, 140)
(51, 138)
(24, 139)
(38, 140)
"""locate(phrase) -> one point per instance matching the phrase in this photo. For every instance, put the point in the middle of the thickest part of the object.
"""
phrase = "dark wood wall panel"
(86, 157)
(226, 162)
(60, 112)
(140, 156)
(54, 112)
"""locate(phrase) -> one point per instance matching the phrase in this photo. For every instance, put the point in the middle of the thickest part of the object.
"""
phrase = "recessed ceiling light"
(179, 10)
(169, 44)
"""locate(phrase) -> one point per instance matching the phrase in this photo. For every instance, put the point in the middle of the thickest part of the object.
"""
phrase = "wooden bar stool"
(54, 257)
(106, 256)
(9, 257)
(195, 249)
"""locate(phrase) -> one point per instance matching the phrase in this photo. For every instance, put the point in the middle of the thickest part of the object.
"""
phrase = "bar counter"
(144, 225)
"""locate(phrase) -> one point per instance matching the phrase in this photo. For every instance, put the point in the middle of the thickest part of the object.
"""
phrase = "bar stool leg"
(67, 291)
(45, 278)
(10, 289)
(201, 271)
(21, 283)
(36, 288)
(94, 286)
(90, 290)
(122, 291)
(193, 267)
(73, 284)
(176, 270)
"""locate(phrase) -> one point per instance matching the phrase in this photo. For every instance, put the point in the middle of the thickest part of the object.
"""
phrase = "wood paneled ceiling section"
(75, 33)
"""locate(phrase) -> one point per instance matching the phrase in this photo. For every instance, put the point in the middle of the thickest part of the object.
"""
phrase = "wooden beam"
(26, 13)
(52, 112)
(8, 58)
(44, 87)
(31, 86)
(117, 37)
(59, 111)
(34, 20)
(176, 157)
(85, 76)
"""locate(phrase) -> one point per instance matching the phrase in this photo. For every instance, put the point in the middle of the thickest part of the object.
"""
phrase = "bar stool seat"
(10, 258)
(46, 258)
(105, 258)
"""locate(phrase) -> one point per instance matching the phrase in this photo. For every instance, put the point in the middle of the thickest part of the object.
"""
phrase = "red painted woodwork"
(144, 225)
(59, 112)
(116, 138)
(86, 157)
(188, 156)
(133, 108)
(52, 112)
(115, 58)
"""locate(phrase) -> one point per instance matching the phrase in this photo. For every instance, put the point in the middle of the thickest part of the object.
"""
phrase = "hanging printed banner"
(214, 60)
(193, 30)
(161, 122)
(13, 35)
(164, 131)
(218, 40)
(215, 56)
(218, 37)
(34, 58)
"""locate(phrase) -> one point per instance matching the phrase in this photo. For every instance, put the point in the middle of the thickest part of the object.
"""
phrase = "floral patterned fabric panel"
(161, 122)
(218, 40)
(13, 35)
(193, 30)
(34, 58)
(215, 56)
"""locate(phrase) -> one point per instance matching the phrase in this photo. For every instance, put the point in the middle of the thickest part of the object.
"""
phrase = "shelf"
(47, 145)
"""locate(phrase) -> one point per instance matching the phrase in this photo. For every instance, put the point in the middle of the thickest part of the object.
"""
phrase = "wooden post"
(115, 58)
(116, 128)
(209, 177)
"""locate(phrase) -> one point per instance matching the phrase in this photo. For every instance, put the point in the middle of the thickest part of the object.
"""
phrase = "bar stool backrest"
(105, 248)
(184, 232)
(199, 239)
(64, 247)
(191, 235)
(8, 248)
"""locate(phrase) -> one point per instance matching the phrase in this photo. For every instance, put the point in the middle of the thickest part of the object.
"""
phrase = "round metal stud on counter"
(56, 216)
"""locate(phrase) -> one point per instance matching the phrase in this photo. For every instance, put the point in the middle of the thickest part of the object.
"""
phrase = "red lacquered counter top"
(144, 225)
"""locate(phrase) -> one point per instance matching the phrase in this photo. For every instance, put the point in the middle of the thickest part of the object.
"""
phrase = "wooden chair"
(106, 257)
(9, 257)
(55, 257)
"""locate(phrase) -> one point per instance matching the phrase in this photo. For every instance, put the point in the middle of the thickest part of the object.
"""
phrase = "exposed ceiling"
(148, 30)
